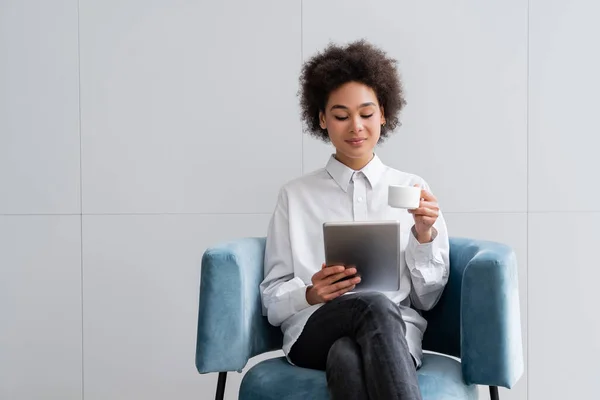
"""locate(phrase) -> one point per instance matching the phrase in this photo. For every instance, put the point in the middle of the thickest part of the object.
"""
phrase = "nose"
(357, 125)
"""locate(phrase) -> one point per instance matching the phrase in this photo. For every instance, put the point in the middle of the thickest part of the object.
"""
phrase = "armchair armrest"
(491, 348)
(231, 327)
(478, 317)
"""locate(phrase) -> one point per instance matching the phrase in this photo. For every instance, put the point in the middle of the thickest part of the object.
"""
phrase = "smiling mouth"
(356, 141)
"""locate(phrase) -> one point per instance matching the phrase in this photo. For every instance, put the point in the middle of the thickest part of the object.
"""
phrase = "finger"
(425, 212)
(327, 271)
(320, 275)
(425, 204)
(344, 284)
(428, 196)
(429, 204)
(334, 295)
(339, 285)
(334, 278)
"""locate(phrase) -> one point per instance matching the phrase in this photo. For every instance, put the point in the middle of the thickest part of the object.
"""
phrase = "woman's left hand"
(425, 216)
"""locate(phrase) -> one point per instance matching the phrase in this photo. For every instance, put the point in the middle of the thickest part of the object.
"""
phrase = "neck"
(354, 163)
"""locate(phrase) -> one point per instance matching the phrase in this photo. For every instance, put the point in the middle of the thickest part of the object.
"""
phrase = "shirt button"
(360, 199)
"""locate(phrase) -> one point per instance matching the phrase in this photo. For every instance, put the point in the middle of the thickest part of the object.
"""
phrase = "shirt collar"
(342, 174)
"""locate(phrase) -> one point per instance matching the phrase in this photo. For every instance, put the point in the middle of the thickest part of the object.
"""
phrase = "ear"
(322, 120)
(382, 122)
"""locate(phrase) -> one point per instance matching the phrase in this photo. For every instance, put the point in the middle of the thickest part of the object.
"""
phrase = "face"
(353, 119)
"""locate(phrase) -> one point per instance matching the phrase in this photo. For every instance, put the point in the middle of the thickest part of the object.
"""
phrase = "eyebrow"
(345, 108)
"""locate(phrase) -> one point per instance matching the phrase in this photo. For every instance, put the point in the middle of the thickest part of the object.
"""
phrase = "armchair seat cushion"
(440, 378)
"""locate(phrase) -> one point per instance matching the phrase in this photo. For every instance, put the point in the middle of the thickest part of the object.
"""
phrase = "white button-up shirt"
(295, 252)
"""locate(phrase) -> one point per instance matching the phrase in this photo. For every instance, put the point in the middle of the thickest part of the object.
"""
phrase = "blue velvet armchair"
(476, 320)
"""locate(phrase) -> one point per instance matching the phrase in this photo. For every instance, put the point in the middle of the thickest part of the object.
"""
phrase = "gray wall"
(135, 134)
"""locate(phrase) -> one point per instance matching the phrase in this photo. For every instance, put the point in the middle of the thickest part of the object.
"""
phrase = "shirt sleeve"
(282, 293)
(429, 265)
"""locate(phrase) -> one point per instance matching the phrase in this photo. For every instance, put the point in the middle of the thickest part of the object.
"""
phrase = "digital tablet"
(372, 246)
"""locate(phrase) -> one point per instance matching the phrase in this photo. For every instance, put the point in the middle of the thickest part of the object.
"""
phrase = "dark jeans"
(359, 340)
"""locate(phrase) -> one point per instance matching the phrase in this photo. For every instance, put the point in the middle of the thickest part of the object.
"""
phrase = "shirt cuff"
(415, 241)
(298, 297)
(423, 254)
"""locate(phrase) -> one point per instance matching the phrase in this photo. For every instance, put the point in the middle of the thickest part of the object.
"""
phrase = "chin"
(355, 153)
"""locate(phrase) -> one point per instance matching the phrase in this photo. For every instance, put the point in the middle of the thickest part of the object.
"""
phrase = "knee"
(377, 303)
(343, 352)
(378, 309)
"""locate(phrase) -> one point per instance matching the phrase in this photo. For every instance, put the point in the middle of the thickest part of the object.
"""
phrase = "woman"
(369, 344)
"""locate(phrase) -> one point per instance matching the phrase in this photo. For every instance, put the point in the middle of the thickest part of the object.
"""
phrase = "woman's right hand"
(325, 286)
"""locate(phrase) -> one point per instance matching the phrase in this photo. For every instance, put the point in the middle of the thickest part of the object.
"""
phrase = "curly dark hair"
(336, 65)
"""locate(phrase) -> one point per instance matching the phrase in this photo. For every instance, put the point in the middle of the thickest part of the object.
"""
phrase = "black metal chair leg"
(494, 393)
(221, 386)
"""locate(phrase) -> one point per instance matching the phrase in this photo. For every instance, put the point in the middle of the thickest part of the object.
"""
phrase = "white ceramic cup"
(400, 196)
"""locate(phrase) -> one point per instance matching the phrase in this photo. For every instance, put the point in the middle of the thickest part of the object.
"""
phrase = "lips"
(356, 141)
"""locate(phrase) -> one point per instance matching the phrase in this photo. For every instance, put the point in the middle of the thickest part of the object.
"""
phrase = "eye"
(341, 118)
(367, 116)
